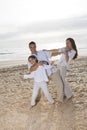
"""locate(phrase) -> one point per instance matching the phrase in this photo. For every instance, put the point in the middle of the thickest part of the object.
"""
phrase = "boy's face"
(32, 61)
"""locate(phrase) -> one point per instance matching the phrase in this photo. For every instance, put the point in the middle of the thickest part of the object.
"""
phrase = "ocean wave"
(6, 53)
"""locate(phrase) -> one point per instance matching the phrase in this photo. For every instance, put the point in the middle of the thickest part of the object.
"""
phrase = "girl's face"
(32, 61)
(68, 45)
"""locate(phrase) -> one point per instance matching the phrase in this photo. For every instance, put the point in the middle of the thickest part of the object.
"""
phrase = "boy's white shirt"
(62, 61)
(40, 74)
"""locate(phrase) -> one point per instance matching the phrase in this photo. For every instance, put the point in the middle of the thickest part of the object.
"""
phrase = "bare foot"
(61, 101)
(22, 76)
(70, 97)
(32, 106)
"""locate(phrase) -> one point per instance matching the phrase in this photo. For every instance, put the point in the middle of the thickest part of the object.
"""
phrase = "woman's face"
(68, 45)
(32, 61)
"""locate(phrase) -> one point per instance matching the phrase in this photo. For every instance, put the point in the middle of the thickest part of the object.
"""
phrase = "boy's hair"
(32, 42)
(33, 57)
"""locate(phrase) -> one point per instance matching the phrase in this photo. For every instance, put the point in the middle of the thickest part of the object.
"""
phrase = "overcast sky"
(22, 19)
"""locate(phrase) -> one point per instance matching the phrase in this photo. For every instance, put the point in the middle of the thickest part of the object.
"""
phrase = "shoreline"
(14, 63)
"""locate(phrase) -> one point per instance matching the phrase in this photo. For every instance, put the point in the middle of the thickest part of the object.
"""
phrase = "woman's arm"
(67, 56)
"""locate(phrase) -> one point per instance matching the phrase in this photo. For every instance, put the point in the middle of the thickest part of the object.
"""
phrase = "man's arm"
(54, 52)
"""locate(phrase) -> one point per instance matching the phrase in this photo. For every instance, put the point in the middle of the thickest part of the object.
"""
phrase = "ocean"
(15, 51)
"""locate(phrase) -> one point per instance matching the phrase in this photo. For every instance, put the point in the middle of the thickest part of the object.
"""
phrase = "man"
(43, 57)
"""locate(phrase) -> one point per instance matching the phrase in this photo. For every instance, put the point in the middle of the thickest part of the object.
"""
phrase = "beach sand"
(15, 97)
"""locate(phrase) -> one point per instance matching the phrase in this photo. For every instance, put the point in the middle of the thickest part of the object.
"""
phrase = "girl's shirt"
(62, 61)
(44, 56)
(40, 74)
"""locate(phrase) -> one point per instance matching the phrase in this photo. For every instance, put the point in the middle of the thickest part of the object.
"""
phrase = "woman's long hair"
(73, 46)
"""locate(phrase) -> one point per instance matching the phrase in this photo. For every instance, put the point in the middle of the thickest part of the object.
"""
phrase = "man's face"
(32, 48)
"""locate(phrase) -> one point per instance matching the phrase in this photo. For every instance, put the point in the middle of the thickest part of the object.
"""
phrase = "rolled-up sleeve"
(48, 54)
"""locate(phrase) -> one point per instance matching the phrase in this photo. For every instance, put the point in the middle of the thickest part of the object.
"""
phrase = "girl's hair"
(73, 46)
(33, 57)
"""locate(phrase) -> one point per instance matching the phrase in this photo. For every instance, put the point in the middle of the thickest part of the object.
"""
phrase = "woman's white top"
(40, 74)
(62, 61)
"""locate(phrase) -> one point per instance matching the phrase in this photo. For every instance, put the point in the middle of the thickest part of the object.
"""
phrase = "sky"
(42, 20)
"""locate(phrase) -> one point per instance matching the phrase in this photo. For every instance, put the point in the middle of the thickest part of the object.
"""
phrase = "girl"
(40, 80)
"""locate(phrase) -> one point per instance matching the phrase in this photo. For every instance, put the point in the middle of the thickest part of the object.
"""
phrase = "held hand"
(52, 62)
(67, 49)
(41, 63)
(66, 53)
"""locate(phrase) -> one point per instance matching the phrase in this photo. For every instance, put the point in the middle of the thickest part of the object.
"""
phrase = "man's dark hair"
(32, 42)
(33, 57)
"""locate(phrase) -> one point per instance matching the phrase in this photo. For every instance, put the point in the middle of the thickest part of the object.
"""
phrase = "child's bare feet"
(32, 106)
(61, 101)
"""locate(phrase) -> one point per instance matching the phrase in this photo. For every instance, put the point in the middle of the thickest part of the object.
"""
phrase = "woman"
(68, 53)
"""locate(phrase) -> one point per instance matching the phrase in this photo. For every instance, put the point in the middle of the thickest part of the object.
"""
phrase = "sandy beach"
(11, 63)
(15, 97)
